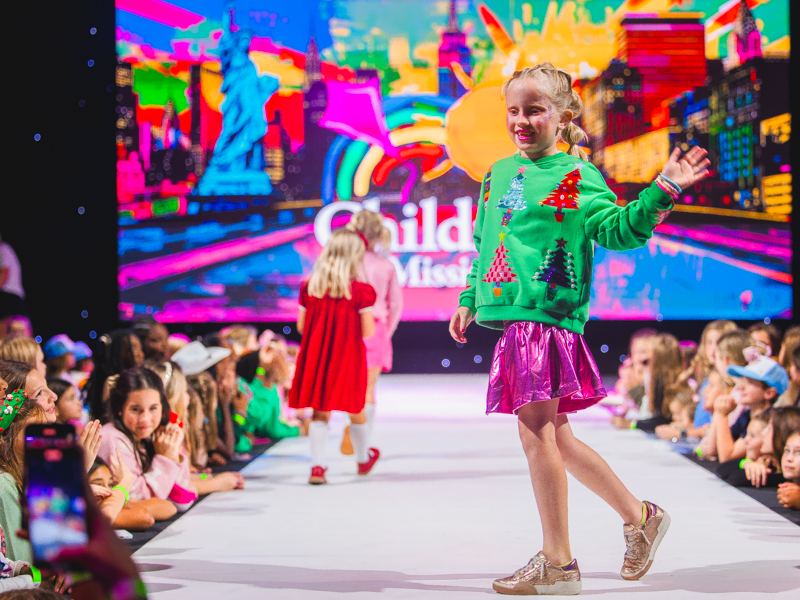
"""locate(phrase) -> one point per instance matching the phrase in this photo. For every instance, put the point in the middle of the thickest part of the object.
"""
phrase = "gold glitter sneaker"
(642, 541)
(541, 578)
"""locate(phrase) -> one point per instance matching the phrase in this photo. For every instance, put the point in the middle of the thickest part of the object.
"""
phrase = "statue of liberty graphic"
(237, 165)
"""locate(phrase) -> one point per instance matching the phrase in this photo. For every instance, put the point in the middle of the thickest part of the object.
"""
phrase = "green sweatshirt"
(536, 226)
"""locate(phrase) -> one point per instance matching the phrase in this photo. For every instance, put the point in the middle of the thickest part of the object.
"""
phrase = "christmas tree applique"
(557, 270)
(514, 198)
(566, 194)
(500, 271)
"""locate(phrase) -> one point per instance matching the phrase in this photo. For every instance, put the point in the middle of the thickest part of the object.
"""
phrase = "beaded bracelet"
(124, 491)
(666, 187)
(670, 182)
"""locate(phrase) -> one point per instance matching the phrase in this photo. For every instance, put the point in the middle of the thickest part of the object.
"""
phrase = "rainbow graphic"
(416, 125)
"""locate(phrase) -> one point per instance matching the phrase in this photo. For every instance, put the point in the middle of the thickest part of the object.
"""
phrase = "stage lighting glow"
(221, 218)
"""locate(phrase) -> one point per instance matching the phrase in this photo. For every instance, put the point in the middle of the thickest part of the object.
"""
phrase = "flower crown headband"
(11, 405)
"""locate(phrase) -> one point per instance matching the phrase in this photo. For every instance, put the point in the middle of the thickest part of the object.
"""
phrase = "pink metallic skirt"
(535, 362)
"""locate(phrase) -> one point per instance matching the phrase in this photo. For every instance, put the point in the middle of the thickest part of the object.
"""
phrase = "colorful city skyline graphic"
(248, 129)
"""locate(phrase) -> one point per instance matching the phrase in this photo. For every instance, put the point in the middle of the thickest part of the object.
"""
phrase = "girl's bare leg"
(372, 378)
(588, 467)
(537, 430)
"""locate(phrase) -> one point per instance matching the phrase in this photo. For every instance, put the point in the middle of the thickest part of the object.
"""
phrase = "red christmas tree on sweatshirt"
(566, 194)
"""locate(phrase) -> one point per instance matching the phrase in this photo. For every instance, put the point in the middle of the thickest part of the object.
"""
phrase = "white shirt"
(9, 260)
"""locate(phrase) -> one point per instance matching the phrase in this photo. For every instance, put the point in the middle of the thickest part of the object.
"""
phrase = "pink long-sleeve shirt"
(166, 479)
(382, 276)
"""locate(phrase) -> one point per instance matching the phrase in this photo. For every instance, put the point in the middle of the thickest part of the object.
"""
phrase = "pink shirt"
(166, 479)
(382, 276)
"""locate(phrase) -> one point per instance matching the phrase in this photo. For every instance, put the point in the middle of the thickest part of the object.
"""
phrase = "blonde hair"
(732, 344)
(337, 265)
(206, 389)
(556, 85)
(370, 225)
(667, 366)
(21, 349)
(700, 366)
(175, 386)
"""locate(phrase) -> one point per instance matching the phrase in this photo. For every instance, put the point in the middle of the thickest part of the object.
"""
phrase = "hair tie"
(363, 239)
(168, 374)
(10, 407)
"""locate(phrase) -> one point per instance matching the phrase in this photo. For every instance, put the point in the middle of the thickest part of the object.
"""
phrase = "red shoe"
(365, 467)
(317, 476)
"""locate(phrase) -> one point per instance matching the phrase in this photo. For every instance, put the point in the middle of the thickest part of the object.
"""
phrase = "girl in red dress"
(335, 315)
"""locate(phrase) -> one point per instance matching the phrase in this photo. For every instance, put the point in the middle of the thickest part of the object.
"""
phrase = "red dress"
(332, 363)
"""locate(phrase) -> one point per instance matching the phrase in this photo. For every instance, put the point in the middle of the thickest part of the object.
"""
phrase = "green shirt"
(535, 232)
(11, 520)
(264, 413)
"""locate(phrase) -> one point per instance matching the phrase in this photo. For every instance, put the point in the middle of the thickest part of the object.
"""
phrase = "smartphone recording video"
(54, 493)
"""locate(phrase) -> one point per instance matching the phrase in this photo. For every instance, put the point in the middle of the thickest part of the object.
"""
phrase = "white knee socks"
(360, 436)
(369, 409)
(318, 437)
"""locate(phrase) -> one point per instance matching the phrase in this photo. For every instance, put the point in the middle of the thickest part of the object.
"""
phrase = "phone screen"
(56, 504)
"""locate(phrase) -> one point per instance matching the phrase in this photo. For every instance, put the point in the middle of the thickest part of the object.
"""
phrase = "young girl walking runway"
(541, 214)
(335, 316)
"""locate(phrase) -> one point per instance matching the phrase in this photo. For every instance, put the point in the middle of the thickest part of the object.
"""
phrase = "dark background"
(69, 258)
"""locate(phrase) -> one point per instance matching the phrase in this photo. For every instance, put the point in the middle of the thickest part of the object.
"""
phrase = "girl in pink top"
(380, 273)
(147, 442)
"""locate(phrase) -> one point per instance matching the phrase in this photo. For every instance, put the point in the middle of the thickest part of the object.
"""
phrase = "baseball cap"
(82, 351)
(58, 345)
(763, 369)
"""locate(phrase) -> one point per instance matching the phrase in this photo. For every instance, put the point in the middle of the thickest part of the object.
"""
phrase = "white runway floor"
(449, 508)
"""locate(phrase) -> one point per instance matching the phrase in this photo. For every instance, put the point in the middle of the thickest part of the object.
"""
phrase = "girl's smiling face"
(532, 120)
(37, 390)
(142, 413)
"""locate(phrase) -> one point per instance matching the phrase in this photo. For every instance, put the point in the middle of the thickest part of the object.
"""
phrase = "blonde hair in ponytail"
(338, 265)
(556, 84)
(370, 225)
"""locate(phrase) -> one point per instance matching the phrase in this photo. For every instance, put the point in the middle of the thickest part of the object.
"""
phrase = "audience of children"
(735, 397)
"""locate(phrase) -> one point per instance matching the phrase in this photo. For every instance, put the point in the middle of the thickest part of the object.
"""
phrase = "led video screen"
(248, 129)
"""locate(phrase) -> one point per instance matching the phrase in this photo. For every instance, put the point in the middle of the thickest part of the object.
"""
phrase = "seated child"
(110, 490)
(69, 408)
(681, 406)
(791, 397)
(263, 371)
(755, 469)
(14, 574)
(786, 442)
(147, 442)
(760, 384)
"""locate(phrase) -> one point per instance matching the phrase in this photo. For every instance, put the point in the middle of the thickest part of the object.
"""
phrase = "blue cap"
(766, 370)
(82, 351)
(58, 345)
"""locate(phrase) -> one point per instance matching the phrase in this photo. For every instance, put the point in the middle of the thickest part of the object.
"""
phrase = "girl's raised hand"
(459, 323)
(119, 471)
(690, 169)
(89, 440)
